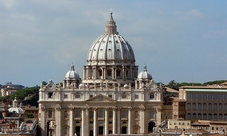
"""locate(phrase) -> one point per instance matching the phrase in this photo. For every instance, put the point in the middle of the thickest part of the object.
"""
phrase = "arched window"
(215, 116)
(188, 105)
(209, 116)
(225, 106)
(210, 106)
(194, 106)
(204, 116)
(189, 116)
(225, 116)
(220, 117)
(193, 116)
(199, 106)
(199, 116)
(220, 106)
(215, 106)
(50, 114)
(204, 106)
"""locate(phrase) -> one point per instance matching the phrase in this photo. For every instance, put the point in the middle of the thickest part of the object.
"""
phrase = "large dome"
(110, 47)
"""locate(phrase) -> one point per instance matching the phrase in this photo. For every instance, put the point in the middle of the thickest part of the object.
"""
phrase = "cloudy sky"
(177, 40)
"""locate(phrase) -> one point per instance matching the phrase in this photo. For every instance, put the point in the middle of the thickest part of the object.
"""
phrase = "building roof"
(187, 131)
(171, 90)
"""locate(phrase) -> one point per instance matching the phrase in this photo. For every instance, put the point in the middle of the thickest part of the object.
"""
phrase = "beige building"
(205, 102)
(112, 98)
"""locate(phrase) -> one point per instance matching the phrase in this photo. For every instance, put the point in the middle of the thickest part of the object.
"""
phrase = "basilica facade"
(111, 98)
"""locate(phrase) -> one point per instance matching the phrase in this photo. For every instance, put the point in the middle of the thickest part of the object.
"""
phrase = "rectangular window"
(151, 96)
(123, 96)
(90, 96)
(50, 95)
(65, 96)
(152, 115)
(77, 95)
(136, 96)
(110, 95)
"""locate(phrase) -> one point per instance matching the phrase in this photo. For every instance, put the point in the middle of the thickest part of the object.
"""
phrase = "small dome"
(15, 107)
(144, 74)
(126, 86)
(16, 110)
(72, 74)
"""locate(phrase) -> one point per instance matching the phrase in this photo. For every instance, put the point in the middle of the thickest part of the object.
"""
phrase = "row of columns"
(91, 72)
(85, 122)
(85, 130)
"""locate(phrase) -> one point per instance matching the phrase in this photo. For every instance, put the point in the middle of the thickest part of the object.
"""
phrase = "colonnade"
(88, 124)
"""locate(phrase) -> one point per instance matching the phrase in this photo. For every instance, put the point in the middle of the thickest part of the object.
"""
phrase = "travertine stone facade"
(112, 98)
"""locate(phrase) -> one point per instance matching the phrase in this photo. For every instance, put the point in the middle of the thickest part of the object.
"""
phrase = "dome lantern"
(111, 27)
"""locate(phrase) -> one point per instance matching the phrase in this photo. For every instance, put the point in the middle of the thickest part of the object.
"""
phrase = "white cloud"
(8, 4)
(188, 15)
(194, 13)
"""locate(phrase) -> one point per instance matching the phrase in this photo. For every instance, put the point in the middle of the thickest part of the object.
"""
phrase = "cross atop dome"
(111, 27)
(145, 68)
(72, 67)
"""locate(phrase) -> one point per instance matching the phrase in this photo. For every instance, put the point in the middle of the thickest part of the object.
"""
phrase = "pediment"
(100, 98)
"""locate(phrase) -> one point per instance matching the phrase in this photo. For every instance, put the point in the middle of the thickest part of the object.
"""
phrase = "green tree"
(174, 85)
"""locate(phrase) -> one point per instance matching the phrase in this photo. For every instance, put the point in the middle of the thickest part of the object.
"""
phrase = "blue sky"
(178, 40)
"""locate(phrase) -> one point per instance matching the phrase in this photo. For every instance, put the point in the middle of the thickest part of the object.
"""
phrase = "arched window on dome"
(118, 72)
(109, 72)
(126, 73)
(99, 73)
